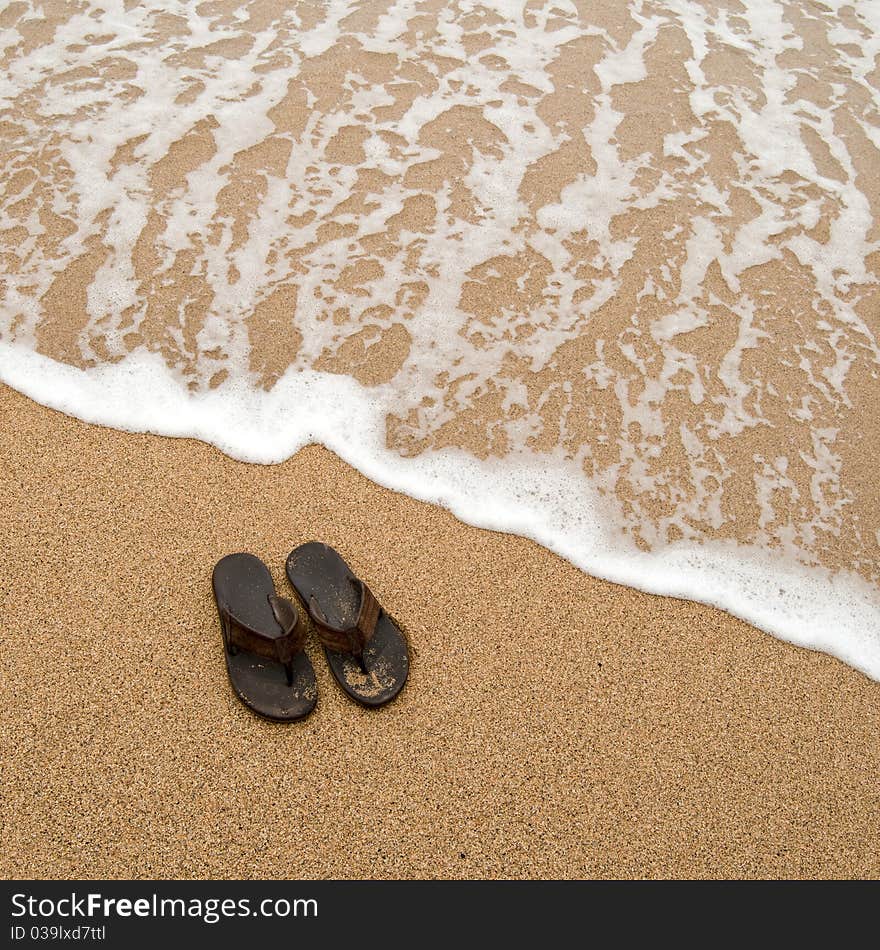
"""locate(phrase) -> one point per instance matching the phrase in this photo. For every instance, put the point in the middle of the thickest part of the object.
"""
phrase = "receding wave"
(600, 273)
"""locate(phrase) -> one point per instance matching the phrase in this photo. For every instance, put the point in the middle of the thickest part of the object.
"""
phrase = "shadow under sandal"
(263, 635)
(366, 650)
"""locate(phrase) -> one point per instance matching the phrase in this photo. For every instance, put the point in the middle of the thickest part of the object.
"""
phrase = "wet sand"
(637, 236)
(554, 725)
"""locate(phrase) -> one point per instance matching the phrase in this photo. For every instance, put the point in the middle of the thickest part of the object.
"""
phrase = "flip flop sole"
(261, 685)
(317, 571)
(243, 583)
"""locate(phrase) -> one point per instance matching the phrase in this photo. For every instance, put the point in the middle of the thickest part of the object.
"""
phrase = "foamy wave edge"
(541, 499)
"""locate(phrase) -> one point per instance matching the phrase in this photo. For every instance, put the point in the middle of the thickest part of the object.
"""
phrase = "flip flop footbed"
(243, 587)
(321, 577)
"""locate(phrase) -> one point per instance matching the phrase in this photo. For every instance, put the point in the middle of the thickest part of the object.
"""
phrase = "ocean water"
(605, 275)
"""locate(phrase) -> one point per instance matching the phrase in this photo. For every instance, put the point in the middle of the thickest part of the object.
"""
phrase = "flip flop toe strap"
(294, 636)
(348, 639)
(281, 648)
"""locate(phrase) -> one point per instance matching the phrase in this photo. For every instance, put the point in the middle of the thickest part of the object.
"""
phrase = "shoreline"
(542, 499)
(555, 725)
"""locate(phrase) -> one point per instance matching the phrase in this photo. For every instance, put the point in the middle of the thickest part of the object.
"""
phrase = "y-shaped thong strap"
(283, 649)
(349, 639)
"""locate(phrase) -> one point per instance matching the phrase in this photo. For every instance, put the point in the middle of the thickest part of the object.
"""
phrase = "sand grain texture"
(553, 725)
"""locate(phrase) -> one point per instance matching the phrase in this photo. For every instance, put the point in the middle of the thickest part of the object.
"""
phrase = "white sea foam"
(188, 182)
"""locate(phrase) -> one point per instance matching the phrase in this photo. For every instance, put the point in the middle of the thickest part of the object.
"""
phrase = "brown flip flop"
(366, 650)
(263, 636)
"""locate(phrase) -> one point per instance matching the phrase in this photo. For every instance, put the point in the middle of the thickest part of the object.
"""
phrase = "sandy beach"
(553, 725)
(630, 247)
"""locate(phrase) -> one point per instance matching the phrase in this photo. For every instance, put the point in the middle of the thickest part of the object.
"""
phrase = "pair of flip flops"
(264, 634)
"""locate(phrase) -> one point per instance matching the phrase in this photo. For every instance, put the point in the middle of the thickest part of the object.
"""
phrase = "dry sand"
(553, 724)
